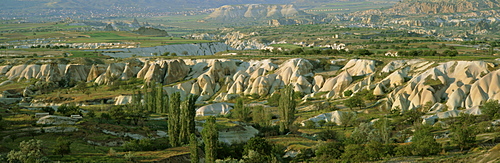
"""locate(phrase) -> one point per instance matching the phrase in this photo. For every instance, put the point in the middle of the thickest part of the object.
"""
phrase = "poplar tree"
(286, 108)
(261, 116)
(146, 96)
(210, 137)
(187, 116)
(160, 99)
(173, 119)
(193, 148)
(240, 111)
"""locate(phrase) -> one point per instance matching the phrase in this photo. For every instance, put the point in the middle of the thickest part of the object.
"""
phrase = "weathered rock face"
(485, 88)
(436, 7)
(214, 109)
(334, 116)
(4, 69)
(154, 73)
(151, 31)
(56, 120)
(95, 71)
(50, 72)
(176, 70)
(253, 11)
(408, 84)
(15, 72)
(448, 81)
(113, 71)
(179, 49)
(76, 72)
(129, 72)
(336, 85)
(123, 99)
(359, 67)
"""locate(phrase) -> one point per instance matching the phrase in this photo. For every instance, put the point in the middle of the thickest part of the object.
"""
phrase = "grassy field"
(26, 31)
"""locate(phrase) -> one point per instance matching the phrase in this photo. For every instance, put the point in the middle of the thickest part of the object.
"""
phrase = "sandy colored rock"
(154, 73)
(378, 91)
(76, 72)
(50, 73)
(358, 67)
(123, 99)
(129, 72)
(4, 69)
(176, 71)
(214, 109)
(30, 71)
(95, 71)
(15, 71)
(144, 70)
(334, 116)
(56, 120)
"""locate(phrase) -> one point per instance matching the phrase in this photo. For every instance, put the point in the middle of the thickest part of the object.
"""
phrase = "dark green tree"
(491, 109)
(354, 101)
(240, 111)
(375, 150)
(135, 113)
(117, 113)
(62, 146)
(261, 116)
(286, 108)
(187, 123)
(348, 119)
(354, 153)
(91, 114)
(81, 86)
(423, 143)
(210, 138)
(360, 134)
(463, 136)
(464, 131)
(259, 145)
(174, 119)
(328, 151)
(160, 99)
(30, 151)
(193, 148)
(258, 150)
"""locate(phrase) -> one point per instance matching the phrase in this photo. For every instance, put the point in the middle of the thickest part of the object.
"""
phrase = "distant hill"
(164, 5)
(151, 31)
(253, 11)
(441, 6)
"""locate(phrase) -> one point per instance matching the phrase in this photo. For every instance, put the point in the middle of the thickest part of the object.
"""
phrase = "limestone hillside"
(443, 88)
(253, 12)
(439, 6)
(151, 31)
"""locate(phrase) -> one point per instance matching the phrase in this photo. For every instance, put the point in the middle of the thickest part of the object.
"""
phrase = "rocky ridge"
(253, 11)
(441, 89)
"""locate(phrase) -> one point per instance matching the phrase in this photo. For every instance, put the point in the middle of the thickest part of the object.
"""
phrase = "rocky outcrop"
(50, 72)
(4, 69)
(176, 70)
(253, 11)
(214, 109)
(179, 49)
(123, 99)
(151, 31)
(112, 73)
(56, 120)
(437, 7)
(485, 88)
(359, 67)
(334, 117)
(448, 81)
